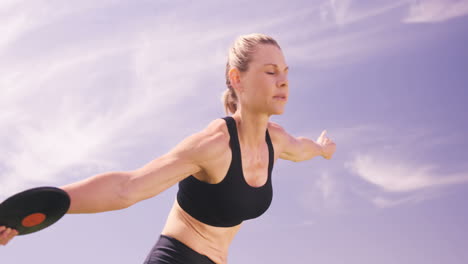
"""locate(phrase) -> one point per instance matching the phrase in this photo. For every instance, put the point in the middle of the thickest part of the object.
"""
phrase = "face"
(264, 87)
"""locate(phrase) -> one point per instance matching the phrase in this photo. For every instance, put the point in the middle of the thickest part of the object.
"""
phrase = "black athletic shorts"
(169, 250)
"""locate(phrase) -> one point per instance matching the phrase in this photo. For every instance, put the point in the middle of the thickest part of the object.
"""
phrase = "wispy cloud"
(325, 185)
(20, 17)
(49, 127)
(56, 122)
(13, 26)
(323, 193)
(330, 50)
(347, 31)
(346, 12)
(336, 11)
(396, 170)
(401, 176)
(75, 108)
(381, 201)
(432, 11)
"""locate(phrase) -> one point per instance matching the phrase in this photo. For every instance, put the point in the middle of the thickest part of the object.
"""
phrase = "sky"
(88, 87)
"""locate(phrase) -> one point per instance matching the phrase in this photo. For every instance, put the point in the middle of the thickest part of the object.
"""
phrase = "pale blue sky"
(93, 86)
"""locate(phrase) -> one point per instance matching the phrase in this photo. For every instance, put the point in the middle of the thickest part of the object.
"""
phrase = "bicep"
(291, 148)
(300, 149)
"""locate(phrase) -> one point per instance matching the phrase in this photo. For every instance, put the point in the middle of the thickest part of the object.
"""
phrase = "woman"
(223, 171)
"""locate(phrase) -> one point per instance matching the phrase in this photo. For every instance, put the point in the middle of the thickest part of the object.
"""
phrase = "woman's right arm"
(119, 190)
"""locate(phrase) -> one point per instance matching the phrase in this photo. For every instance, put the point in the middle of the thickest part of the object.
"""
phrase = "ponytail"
(229, 99)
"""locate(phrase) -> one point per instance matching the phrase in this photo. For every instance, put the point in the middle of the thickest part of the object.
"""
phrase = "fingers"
(6, 234)
(327, 144)
(13, 234)
(324, 133)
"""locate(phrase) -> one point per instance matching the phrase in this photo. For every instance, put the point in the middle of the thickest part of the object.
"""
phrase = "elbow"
(126, 195)
(124, 202)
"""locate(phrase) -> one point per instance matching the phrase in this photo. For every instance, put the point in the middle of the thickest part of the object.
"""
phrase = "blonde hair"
(240, 55)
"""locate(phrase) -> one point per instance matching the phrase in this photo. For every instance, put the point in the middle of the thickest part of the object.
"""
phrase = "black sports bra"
(233, 200)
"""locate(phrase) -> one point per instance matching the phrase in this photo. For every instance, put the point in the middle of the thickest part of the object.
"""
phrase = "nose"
(283, 82)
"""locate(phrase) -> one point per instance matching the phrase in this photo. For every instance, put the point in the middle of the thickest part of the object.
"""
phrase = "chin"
(277, 111)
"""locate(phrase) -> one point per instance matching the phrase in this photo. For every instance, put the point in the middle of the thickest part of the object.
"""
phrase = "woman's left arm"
(300, 148)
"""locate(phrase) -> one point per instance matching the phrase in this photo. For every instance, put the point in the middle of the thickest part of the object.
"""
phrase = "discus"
(34, 209)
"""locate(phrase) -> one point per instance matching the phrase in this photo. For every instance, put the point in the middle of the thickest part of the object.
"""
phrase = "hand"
(6, 234)
(328, 146)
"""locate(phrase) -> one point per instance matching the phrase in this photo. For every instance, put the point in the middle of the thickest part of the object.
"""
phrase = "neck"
(251, 128)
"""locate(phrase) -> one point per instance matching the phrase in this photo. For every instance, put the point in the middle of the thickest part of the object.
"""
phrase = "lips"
(280, 97)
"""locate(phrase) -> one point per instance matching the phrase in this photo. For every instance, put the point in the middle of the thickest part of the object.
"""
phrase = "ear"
(234, 78)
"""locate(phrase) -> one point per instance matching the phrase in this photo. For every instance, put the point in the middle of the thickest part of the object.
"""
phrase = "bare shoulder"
(278, 135)
(276, 131)
(275, 128)
(206, 144)
(215, 135)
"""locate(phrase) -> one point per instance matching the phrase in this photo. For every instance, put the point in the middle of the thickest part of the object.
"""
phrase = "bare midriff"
(207, 240)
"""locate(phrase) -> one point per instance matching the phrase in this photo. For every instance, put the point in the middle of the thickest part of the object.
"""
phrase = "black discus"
(34, 209)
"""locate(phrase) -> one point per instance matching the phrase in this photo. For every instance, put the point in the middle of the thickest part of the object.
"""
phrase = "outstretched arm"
(301, 148)
(119, 190)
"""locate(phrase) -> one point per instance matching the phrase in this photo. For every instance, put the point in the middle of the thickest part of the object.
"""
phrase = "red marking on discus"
(33, 219)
